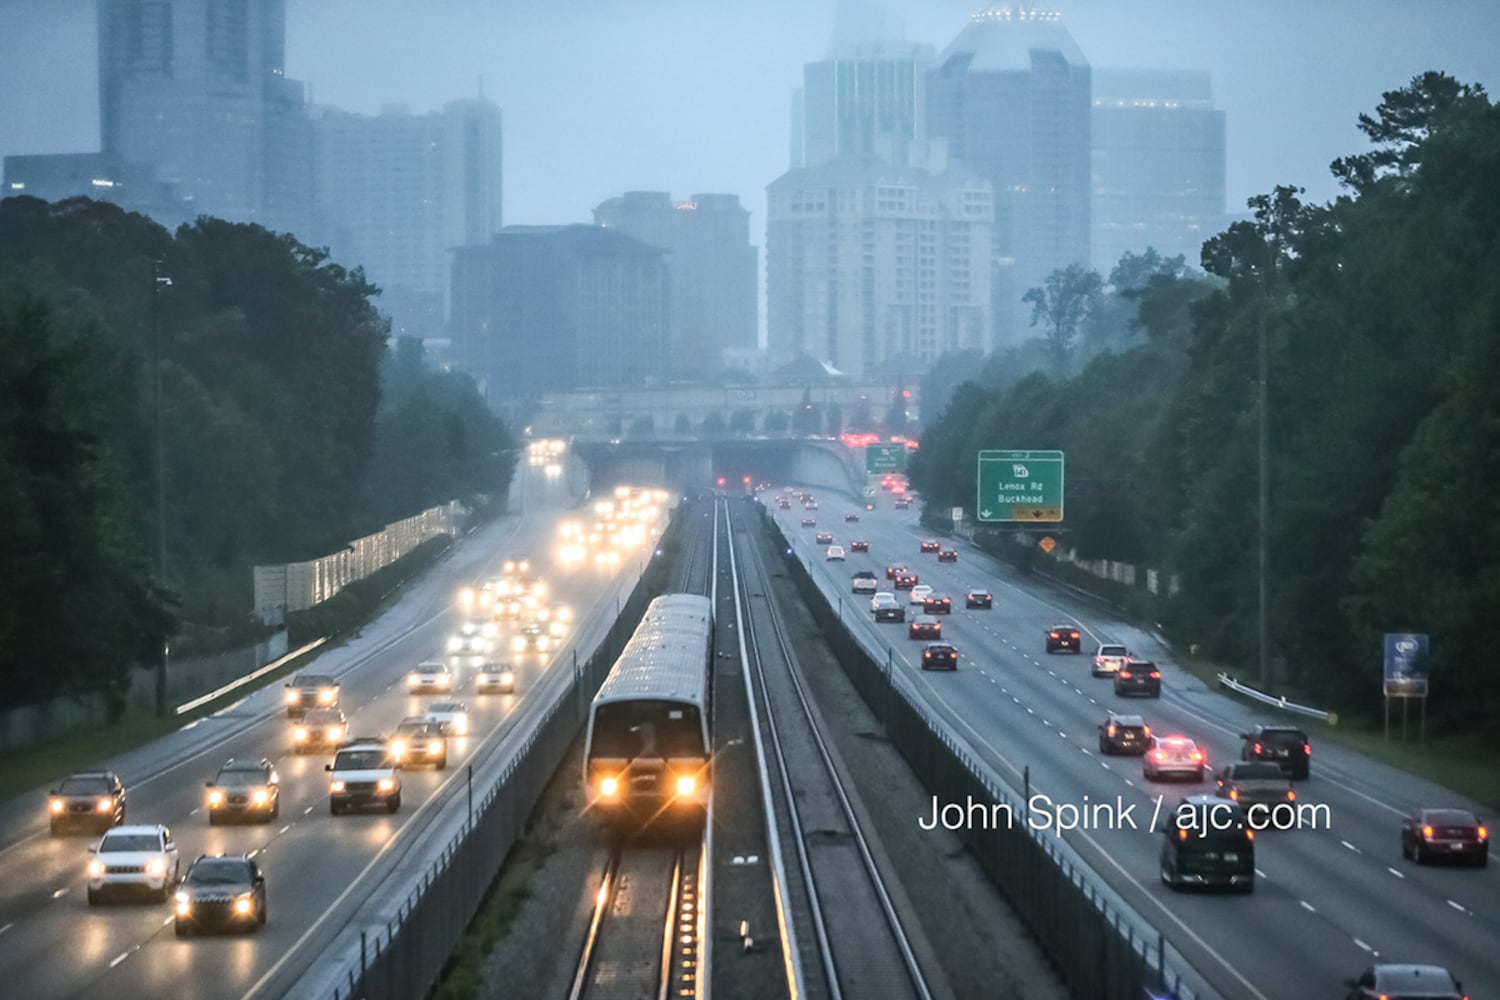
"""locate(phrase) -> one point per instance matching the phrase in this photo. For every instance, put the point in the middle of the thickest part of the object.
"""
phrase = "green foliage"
(1061, 306)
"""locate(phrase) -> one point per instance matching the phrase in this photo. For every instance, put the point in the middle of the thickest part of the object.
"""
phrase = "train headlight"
(609, 787)
(686, 785)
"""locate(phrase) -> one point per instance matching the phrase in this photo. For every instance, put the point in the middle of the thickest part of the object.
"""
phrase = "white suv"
(364, 774)
(140, 858)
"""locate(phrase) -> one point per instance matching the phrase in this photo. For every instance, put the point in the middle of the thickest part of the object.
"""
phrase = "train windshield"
(647, 729)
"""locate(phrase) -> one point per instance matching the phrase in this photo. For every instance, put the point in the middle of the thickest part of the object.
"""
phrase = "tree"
(1062, 305)
(777, 422)
(643, 426)
(742, 422)
(1404, 121)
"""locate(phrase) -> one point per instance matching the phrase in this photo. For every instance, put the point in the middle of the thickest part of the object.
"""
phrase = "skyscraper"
(199, 91)
(1011, 97)
(866, 101)
(866, 261)
(1158, 164)
(713, 269)
(543, 308)
(396, 192)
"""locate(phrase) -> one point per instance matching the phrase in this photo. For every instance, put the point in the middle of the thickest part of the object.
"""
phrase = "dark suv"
(94, 800)
(221, 890)
(245, 789)
(1285, 746)
(1124, 734)
(1138, 677)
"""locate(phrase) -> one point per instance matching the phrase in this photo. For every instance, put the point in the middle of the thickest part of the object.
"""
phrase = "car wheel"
(180, 928)
(93, 897)
(261, 916)
(394, 804)
(1405, 848)
(276, 810)
(1169, 874)
(1418, 854)
(334, 808)
(1483, 860)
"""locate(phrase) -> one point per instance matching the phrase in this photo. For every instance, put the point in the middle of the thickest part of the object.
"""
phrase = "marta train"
(648, 753)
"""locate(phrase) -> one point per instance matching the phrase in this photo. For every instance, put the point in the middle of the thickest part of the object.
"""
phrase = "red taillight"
(1258, 748)
(1125, 675)
(1426, 833)
(1156, 675)
(1249, 834)
(1181, 833)
(1234, 793)
(1484, 833)
(1307, 749)
(1291, 796)
(1052, 635)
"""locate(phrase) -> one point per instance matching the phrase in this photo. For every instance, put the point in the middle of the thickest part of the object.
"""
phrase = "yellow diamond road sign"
(1047, 544)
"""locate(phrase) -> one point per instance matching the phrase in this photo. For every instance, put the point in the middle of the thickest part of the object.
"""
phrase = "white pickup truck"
(363, 774)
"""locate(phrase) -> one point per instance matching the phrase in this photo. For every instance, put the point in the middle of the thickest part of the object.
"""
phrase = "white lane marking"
(193, 812)
(122, 956)
(1062, 734)
(1363, 945)
(1306, 906)
(286, 828)
(1351, 847)
(6, 928)
(1457, 906)
(60, 893)
(1395, 873)
(1087, 751)
(167, 921)
(307, 810)
(1259, 873)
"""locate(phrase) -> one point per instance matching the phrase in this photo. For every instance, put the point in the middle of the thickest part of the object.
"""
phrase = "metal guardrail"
(1226, 681)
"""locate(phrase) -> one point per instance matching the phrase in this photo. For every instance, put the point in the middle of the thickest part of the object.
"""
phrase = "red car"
(905, 581)
(891, 572)
(947, 555)
(859, 545)
(931, 545)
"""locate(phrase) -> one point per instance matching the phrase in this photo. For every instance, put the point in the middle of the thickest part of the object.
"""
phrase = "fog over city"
(603, 96)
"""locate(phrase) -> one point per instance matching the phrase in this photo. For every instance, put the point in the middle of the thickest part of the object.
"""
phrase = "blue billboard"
(1405, 665)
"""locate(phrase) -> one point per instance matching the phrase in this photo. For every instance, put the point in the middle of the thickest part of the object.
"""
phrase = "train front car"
(647, 759)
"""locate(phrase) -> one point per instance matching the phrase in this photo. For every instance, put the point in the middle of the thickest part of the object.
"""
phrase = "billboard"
(1405, 665)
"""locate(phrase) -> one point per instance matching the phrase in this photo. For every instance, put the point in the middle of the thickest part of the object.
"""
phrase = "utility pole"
(159, 281)
(1263, 447)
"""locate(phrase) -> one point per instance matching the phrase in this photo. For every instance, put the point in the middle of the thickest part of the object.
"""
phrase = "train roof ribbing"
(666, 656)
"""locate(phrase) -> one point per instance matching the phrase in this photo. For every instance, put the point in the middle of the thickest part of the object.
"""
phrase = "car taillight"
(1234, 794)
(1426, 833)
(1484, 833)
(1258, 748)
(1052, 635)
(1249, 834)
(1197, 755)
(1307, 749)
(1146, 731)
(1181, 833)
(1156, 675)
(1291, 796)
(1126, 674)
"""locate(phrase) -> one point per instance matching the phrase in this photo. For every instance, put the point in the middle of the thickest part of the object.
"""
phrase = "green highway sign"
(885, 458)
(1020, 486)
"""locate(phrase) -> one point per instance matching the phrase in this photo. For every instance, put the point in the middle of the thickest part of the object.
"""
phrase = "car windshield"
(647, 728)
(313, 680)
(413, 729)
(242, 777)
(361, 760)
(117, 842)
(446, 706)
(85, 786)
(432, 668)
(1416, 982)
(321, 717)
(218, 872)
(1448, 817)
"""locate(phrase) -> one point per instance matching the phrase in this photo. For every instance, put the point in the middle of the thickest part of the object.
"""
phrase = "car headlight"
(96, 867)
(386, 785)
(184, 905)
(335, 786)
(542, 642)
(334, 732)
(461, 727)
(299, 734)
(215, 798)
(454, 644)
(412, 680)
(518, 644)
(243, 905)
(156, 866)
(327, 695)
(260, 797)
(609, 787)
(507, 679)
(398, 748)
(685, 785)
(436, 746)
(57, 805)
(292, 697)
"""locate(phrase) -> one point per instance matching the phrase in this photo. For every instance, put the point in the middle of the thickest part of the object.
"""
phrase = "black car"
(930, 545)
(947, 555)
(1063, 639)
(1208, 842)
(851, 518)
(245, 789)
(307, 691)
(221, 891)
(891, 572)
(1138, 677)
(979, 599)
(859, 545)
(1285, 746)
(937, 604)
(418, 742)
(824, 538)
(89, 800)
(939, 656)
(1127, 734)
(924, 627)
(808, 522)
(1430, 834)
(1430, 982)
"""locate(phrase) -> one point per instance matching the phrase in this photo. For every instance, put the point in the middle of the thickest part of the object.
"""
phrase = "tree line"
(1377, 315)
(288, 425)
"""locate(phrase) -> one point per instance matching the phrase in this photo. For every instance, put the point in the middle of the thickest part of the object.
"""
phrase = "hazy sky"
(604, 96)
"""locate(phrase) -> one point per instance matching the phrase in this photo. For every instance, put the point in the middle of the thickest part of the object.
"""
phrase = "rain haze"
(606, 96)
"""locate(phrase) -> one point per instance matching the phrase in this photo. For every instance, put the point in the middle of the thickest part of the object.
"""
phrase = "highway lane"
(55, 945)
(1327, 895)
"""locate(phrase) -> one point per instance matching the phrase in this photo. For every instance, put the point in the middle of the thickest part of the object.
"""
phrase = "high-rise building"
(1011, 98)
(100, 176)
(199, 92)
(713, 269)
(864, 101)
(1158, 164)
(867, 261)
(546, 308)
(396, 192)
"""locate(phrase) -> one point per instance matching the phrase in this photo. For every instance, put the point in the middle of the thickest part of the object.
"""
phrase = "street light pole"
(1263, 448)
(158, 281)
